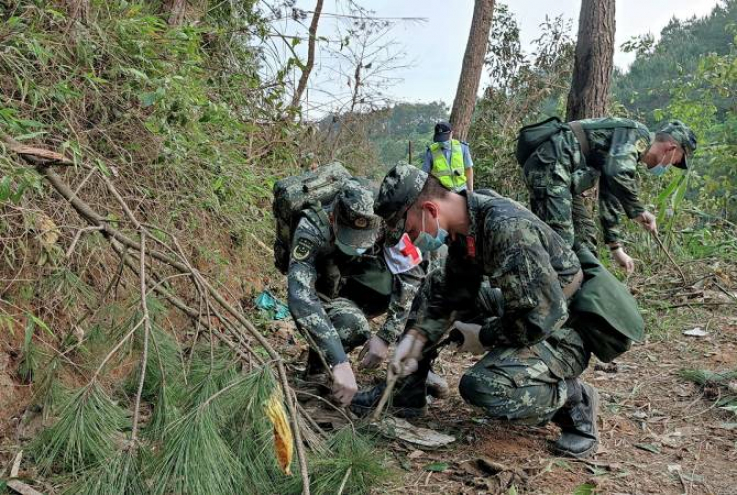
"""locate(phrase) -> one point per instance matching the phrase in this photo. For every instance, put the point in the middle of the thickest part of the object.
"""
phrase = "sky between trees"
(434, 48)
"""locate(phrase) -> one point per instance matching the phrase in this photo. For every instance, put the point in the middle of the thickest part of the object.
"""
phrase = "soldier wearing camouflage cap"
(338, 277)
(573, 157)
(530, 372)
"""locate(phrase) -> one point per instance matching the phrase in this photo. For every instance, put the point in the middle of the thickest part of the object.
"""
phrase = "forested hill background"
(688, 73)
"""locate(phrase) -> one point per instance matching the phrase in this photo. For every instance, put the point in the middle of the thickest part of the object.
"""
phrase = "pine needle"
(165, 413)
(356, 465)
(121, 474)
(195, 459)
(706, 377)
(84, 435)
(249, 432)
(718, 381)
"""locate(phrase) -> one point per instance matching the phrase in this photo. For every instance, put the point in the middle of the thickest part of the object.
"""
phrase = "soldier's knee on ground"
(500, 398)
(350, 323)
(488, 390)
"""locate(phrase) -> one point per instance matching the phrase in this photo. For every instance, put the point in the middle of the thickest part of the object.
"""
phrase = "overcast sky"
(435, 47)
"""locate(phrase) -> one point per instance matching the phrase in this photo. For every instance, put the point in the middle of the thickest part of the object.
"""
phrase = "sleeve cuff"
(335, 355)
(387, 335)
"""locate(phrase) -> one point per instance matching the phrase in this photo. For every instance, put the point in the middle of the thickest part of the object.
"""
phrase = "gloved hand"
(344, 384)
(407, 355)
(375, 352)
(647, 220)
(471, 341)
(623, 260)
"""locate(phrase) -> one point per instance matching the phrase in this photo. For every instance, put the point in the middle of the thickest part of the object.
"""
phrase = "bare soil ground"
(659, 433)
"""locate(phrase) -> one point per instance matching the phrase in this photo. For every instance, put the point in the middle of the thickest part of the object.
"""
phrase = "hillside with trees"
(142, 348)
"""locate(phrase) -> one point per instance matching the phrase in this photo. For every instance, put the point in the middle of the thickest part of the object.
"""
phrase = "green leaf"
(148, 99)
(5, 188)
(585, 489)
(103, 168)
(437, 467)
(30, 135)
(649, 447)
(41, 324)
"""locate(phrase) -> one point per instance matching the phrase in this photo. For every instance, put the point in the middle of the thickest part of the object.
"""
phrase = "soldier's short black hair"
(433, 189)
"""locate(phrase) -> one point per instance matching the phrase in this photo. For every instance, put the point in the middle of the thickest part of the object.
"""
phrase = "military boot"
(409, 398)
(577, 420)
(437, 386)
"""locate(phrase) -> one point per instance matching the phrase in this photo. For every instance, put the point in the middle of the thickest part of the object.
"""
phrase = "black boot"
(409, 398)
(577, 420)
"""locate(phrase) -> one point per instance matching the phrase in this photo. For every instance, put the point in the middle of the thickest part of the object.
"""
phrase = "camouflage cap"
(682, 135)
(399, 190)
(356, 225)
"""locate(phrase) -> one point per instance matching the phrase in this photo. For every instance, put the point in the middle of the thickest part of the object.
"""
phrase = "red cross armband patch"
(402, 257)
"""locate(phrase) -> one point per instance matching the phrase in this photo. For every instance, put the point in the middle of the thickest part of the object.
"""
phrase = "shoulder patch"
(303, 249)
(641, 145)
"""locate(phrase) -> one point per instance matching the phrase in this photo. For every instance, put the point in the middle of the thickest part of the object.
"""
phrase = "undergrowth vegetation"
(173, 133)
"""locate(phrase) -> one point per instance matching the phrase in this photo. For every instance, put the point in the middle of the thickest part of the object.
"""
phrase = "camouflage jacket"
(522, 256)
(318, 269)
(614, 153)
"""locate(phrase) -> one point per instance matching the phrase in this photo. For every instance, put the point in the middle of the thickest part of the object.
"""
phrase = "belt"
(575, 284)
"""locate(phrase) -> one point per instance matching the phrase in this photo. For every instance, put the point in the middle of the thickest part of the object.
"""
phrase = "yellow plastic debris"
(283, 440)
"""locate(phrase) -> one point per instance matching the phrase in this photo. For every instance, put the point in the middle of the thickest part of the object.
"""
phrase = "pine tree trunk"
(79, 10)
(177, 10)
(592, 71)
(473, 64)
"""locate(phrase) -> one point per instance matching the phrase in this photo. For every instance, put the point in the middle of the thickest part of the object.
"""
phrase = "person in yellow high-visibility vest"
(449, 159)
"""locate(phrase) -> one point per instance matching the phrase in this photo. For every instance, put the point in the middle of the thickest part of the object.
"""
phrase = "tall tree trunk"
(79, 10)
(177, 11)
(302, 85)
(473, 64)
(592, 71)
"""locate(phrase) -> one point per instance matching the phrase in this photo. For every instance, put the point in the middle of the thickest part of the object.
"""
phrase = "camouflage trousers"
(527, 385)
(349, 321)
(556, 181)
(351, 324)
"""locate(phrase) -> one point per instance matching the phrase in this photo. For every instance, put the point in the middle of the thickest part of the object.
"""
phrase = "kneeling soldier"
(535, 355)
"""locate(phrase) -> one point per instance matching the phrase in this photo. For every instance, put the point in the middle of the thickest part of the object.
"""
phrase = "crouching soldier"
(339, 278)
(561, 161)
(538, 345)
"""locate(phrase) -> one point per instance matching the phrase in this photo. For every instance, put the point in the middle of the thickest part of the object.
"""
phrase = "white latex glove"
(647, 220)
(376, 351)
(344, 383)
(623, 260)
(471, 341)
(408, 352)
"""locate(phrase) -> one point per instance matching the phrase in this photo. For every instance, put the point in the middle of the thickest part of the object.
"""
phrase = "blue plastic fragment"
(276, 309)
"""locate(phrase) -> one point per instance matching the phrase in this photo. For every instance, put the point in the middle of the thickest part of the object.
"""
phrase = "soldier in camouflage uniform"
(337, 277)
(563, 167)
(530, 372)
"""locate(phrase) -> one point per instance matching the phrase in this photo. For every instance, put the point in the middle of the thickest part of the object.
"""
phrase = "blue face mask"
(659, 169)
(425, 242)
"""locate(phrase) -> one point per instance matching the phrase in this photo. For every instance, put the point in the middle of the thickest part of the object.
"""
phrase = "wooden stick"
(662, 246)
(94, 218)
(391, 381)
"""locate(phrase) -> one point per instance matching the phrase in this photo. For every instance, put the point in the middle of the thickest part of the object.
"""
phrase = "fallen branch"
(119, 241)
(22, 488)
